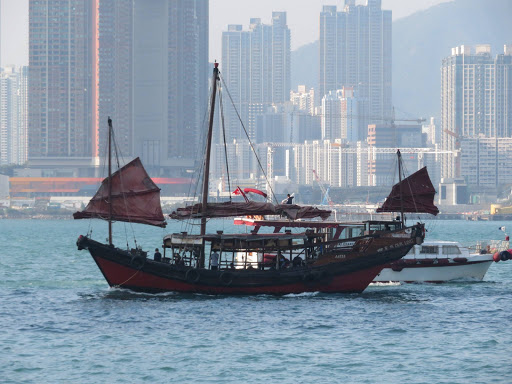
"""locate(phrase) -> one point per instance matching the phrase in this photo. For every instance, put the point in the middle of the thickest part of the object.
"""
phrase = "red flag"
(257, 191)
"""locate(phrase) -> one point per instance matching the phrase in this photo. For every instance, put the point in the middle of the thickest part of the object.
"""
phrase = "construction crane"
(393, 119)
(325, 192)
(346, 149)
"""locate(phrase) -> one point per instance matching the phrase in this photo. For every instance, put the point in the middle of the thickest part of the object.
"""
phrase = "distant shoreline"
(37, 217)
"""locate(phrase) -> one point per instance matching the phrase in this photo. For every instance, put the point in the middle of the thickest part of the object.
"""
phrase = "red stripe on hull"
(419, 265)
(125, 277)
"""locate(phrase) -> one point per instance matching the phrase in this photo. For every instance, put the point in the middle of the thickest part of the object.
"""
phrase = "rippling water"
(61, 322)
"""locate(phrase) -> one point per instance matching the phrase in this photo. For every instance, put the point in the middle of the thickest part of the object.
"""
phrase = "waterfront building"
(13, 115)
(343, 116)
(356, 51)
(485, 161)
(256, 69)
(476, 99)
(342, 164)
(332, 164)
(39, 187)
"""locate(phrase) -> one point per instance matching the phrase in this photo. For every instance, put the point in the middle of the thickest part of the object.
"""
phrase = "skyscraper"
(142, 62)
(355, 51)
(153, 72)
(13, 115)
(476, 98)
(256, 67)
(61, 79)
(188, 76)
(153, 78)
(114, 65)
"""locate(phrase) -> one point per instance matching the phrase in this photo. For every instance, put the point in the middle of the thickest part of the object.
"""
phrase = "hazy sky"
(303, 20)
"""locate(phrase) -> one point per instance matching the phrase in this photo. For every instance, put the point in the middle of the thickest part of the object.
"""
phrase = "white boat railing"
(490, 246)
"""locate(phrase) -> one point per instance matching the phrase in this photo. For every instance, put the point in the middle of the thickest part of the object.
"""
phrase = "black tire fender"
(226, 278)
(310, 277)
(137, 262)
(192, 275)
(505, 255)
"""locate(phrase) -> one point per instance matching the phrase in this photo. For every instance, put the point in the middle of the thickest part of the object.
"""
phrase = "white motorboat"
(442, 261)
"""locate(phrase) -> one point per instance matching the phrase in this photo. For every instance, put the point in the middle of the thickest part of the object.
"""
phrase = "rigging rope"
(187, 225)
(117, 151)
(124, 282)
(224, 135)
(410, 187)
(248, 138)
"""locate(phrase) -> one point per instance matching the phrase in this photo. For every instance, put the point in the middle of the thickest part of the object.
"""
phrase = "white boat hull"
(472, 271)
(442, 261)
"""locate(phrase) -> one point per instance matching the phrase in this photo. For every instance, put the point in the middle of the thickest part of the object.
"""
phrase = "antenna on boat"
(399, 155)
(206, 180)
(109, 181)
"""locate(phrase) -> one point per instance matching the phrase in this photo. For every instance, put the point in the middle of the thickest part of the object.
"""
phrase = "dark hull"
(353, 273)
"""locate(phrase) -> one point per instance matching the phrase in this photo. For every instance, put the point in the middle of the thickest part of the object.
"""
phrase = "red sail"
(294, 211)
(217, 210)
(135, 198)
(417, 195)
(252, 208)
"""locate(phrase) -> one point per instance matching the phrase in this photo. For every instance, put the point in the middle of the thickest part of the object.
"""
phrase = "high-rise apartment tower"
(61, 79)
(476, 98)
(355, 51)
(256, 67)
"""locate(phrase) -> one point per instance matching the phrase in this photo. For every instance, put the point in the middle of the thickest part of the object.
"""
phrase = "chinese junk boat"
(318, 256)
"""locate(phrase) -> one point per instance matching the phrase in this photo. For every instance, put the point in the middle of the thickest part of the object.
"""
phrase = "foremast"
(206, 176)
(399, 155)
(109, 181)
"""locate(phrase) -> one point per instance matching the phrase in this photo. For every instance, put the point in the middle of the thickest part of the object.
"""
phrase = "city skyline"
(302, 21)
(147, 63)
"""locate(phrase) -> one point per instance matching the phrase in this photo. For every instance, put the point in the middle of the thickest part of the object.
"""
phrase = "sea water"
(60, 322)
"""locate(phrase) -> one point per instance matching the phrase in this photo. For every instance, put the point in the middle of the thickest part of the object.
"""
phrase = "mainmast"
(109, 181)
(207, 156)
(399, 155)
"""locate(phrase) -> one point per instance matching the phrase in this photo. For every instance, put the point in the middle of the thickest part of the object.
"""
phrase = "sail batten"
(231, 209)
(135, 198)
(417, 195)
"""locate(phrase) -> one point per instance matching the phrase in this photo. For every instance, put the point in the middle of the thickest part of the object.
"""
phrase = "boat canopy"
(135, 198)
(237, 242)
(417, 195)
(249, 208)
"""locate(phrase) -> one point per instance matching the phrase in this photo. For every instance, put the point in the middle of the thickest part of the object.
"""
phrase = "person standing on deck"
(214, 260)
(157, 256)
(288, 200)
